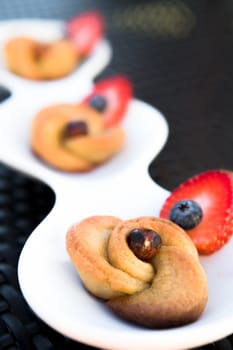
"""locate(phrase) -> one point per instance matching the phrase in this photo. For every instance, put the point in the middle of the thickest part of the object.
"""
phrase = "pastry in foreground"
(147, 269)
(73, 137)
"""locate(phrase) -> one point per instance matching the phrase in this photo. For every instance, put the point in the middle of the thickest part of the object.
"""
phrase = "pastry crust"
(34, 60)
(77, 153)
(171, 288)
(87, 246)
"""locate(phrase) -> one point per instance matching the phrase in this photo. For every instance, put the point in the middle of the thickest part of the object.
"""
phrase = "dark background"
(179, 56)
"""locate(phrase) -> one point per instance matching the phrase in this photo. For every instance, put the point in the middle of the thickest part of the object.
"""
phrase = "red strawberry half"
(213, 191)
(85, 30)
(117, 92)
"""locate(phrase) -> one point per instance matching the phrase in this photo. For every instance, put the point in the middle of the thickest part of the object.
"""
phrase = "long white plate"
(121, 187)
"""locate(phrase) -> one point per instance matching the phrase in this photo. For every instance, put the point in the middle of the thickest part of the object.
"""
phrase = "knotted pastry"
(73, 137)
(35, 60)
(147, 269)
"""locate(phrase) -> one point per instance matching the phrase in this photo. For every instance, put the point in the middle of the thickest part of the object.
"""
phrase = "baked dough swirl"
(59, 147)
(35, 60)
(170, 289)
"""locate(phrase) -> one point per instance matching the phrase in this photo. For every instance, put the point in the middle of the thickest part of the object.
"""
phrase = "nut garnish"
(145, 243)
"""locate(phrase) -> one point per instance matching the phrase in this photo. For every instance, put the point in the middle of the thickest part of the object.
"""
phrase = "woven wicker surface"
(179, 57)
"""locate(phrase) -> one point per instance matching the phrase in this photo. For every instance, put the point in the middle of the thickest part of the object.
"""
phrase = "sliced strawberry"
(213, 191)
(85, 31)
(117, 91)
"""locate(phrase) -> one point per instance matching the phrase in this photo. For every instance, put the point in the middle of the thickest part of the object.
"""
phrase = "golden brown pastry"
(73, 137)
(147, 269)
(34, 60)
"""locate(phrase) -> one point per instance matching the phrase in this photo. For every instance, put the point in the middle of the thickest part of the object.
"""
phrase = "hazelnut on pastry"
(146, 269)
(35, 60)
(73, 137)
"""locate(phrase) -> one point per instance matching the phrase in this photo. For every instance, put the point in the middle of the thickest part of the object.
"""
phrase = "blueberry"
(186, 213)
(98, 102)
(4, 93)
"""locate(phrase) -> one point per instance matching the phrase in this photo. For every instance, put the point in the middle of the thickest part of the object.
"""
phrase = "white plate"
(48, 31)
(121, 187)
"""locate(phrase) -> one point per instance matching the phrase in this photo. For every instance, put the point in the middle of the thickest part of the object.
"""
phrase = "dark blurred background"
(179, 57)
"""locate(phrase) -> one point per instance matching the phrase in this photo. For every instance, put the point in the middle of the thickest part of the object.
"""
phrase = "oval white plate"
(49, 31)
(123, 188)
